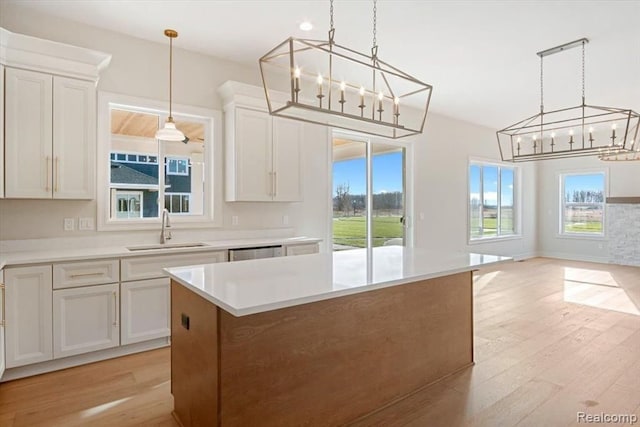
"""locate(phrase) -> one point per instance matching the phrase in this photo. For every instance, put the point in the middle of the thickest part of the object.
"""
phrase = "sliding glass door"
(369, 196)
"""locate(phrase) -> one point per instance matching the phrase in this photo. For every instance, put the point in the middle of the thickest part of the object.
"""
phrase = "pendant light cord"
(170, 77)
(375, 19)
(583, 74)
(541, 84)
(330, 15)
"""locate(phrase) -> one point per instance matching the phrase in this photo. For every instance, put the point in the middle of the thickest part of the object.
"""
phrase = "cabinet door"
(2, 137)
(85, 319)
(2, 322)
(28, 134)
(145, 306)
(28, 315)
(74, 136)
(287, 138)
(252, 146)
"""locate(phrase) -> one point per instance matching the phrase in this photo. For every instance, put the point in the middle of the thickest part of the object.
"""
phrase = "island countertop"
(256, 286)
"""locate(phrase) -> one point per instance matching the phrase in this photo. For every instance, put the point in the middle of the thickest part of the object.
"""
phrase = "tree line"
(584, 196)
(349, 203)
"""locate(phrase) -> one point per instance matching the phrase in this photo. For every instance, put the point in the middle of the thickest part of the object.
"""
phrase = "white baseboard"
(575, 257)
(81, 359)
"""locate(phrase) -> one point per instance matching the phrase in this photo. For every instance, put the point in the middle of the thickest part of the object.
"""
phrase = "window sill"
(492, 239)
(580, 236)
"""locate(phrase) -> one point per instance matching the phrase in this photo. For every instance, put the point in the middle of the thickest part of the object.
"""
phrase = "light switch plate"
(234, 220)
(85, 224)
(69, 224)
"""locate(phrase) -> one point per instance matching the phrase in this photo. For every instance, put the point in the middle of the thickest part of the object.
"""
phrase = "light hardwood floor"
(552, 338)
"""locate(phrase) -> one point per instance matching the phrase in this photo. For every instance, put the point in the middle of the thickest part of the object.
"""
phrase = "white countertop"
(249, 287)
(85, 253)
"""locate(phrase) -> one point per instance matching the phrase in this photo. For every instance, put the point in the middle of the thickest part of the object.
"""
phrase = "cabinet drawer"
(302, 249)
(84, 273)
(150, 267)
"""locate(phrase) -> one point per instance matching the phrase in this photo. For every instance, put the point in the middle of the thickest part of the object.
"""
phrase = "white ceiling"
(480, 56)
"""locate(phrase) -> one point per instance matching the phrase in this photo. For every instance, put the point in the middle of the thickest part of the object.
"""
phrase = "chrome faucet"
(164, 233)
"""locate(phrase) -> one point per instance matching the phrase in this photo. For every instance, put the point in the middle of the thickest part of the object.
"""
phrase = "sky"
(387, 174)
(593, 182)
(490, 189)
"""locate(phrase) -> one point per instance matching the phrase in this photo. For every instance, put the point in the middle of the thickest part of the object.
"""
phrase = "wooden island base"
(323, 363)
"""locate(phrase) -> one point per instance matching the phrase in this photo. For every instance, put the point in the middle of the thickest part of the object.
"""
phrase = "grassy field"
(583, 227)
(351, 231)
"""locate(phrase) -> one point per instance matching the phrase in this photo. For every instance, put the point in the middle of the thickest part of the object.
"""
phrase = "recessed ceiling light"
(306, 26)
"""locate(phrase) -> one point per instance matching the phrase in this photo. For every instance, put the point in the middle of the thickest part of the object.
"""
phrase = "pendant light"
(169, 132)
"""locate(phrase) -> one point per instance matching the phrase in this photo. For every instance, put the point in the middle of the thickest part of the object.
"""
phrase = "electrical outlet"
(285, 219)
(234, 220)
(69, 224)
(85, 224)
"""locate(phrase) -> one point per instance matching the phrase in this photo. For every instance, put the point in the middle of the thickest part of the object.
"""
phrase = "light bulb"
(519, 140)
(535, 137)
(553, 134)
(361, 90)
(591, 129)
(570, 131)
(380, 96)
(319, 79)
(296, 72)
(614, 126)
(396, 100)
(343, 86)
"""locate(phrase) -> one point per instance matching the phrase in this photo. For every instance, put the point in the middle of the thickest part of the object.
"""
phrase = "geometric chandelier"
(584, 130)
(322, 82)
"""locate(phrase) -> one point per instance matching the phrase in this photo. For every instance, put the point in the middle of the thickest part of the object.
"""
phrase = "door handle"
(56, 175)
(47, 172)
(115, 309)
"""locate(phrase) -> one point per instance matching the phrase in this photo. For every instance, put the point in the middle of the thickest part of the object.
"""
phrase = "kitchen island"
(320, 339)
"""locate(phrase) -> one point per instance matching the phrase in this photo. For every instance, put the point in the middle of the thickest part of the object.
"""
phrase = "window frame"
(177, 159)
(369, 140)
(517, 200)
(170, 193)
(560, 231)
(212, 121)
(129, 192)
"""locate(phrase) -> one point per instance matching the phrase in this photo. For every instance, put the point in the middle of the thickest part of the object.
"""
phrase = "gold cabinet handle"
(275, 184)
(57, 175)
(47, 172)
(73, 276)
(3, 320)
(115, 309)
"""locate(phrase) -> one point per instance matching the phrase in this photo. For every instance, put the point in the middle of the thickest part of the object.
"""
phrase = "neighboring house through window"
(582, 198)
(492, 201)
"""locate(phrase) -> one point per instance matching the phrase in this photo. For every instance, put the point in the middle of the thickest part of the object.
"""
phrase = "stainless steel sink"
(166, 246)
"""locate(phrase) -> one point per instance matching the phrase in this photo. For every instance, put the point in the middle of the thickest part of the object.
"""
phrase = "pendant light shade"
(169, 132)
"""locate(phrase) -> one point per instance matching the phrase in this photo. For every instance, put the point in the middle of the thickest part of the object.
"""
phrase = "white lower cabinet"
(145, 307)
(2, 321)
(85, 319)
(28, 315)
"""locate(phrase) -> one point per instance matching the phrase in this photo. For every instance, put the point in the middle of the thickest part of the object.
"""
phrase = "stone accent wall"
(623, 230)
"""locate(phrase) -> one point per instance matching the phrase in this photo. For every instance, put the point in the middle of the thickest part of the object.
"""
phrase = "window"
(127, 204)
(492, 201)
(177, 166)
(582, 203)
(177, 202)
(369, 197)
(139, 176)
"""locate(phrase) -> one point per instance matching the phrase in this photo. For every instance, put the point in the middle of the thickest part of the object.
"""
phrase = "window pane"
(388, 195)
(349, 194)
(475, 207)
(490, 201)
(506, 201)
(185, 173)
(583, 202)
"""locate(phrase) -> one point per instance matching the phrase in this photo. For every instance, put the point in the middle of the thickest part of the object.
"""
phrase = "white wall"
(441, 180)
(623, 180)
(138, 68)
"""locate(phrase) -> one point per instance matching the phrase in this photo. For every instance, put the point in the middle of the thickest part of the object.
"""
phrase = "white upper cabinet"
(50, 136)
(74, 138)
(28, 134)
(1, 132)
(263, 153)
(49, 118)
